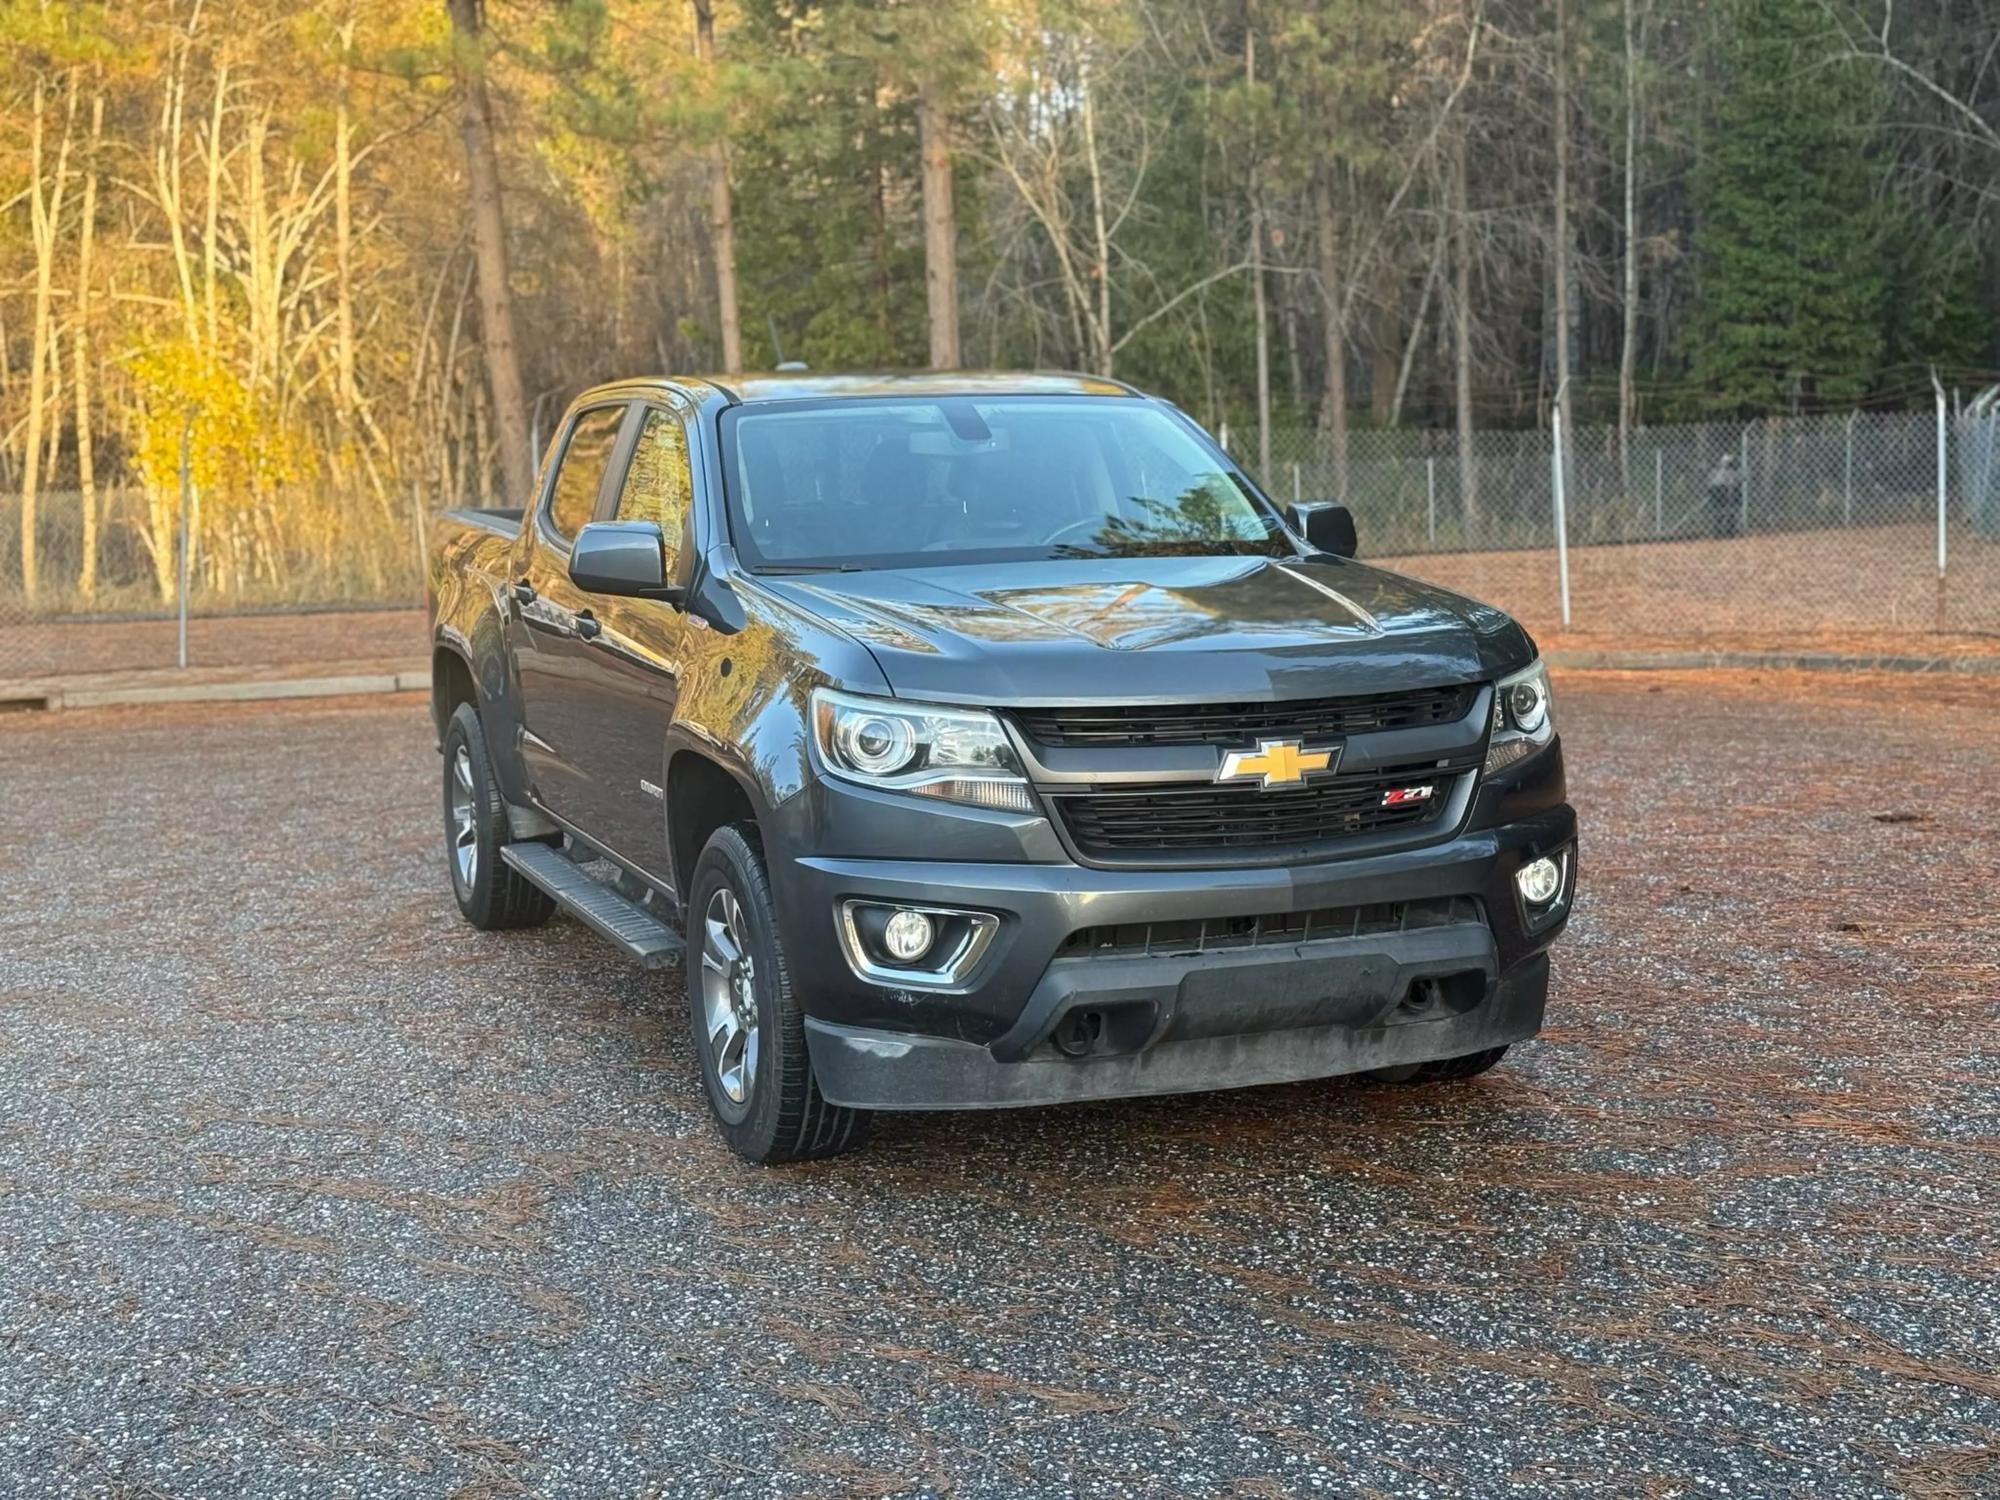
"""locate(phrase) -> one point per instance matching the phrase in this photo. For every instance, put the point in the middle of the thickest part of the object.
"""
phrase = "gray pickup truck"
(990, 740)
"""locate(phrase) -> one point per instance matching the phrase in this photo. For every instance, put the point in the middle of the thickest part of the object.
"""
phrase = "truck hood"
(1161, 629)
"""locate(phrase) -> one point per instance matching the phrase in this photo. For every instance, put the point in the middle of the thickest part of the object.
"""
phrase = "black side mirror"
(1324, 525)
(622, 557)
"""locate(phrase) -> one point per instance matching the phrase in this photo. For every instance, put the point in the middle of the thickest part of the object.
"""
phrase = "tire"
(1443, 1070)
(1449, 1069)
(491, 895)
(749, 1031)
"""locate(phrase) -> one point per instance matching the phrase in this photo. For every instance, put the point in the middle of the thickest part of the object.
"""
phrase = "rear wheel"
(491, 895)
(748, 1028)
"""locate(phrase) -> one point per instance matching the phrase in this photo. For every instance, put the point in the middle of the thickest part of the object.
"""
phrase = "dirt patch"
(1869, 591)
(58, 646)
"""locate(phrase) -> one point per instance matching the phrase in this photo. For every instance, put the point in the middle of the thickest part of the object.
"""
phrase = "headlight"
(955, 754)
(1523, 717)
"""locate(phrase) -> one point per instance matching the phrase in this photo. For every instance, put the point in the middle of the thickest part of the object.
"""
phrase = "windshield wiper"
(813, 568)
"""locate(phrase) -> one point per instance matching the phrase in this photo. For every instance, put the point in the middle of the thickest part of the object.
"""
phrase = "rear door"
(551, 659)
(635, 658)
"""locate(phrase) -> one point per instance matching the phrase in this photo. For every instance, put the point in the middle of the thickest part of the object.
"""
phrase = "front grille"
(1208, 934)
(1230, 724)
(1183, 819)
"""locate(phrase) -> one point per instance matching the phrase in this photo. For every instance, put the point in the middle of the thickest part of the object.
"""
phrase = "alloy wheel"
(729, 996)
(464, 820)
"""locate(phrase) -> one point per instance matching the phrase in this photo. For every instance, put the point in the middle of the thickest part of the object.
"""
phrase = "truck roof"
(805, 385)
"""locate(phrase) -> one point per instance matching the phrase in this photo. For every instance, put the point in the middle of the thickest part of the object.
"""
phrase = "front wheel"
(1443, 1070)
(748, 1028)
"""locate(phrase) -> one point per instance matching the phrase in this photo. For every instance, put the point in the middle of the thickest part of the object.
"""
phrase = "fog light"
(1540, 881)
(908, 936)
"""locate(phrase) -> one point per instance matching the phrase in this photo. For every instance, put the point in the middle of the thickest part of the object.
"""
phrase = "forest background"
(360, 253)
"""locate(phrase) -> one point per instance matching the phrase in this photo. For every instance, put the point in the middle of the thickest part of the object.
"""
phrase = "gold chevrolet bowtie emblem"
(1278, 762)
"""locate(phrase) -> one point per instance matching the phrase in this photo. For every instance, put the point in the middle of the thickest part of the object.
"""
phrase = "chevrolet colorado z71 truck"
(993, 740)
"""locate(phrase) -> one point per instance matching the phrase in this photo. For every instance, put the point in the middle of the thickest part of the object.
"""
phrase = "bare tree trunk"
(1562, 246)
(940, 231)
(1628, 349)
(721, 209)
(45, 223)
(1258, 302)
(1333, 413)
(343, 223)
(1440, 243)
(1100, 231)
(1288, 320)
(54, 419)
(885, 321)
(447, 401)
(1461, 327)
(1386, 336)
(1262, 312)
(211, 240)
(168, 159)
(489, 248)
(86, 457)
(482, 446)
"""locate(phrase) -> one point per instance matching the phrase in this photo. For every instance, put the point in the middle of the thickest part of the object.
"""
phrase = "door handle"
(524, 592)
(587, 626)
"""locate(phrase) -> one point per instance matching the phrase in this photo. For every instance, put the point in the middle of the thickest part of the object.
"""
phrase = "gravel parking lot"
(308, 1189)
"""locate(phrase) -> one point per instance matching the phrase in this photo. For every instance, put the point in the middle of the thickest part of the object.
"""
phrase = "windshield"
(886, 483)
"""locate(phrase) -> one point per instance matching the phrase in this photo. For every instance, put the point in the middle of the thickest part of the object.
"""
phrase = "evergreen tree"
(828, 193)
(1789, 305)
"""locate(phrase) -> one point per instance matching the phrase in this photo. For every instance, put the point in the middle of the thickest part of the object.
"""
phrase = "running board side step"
(646, 940)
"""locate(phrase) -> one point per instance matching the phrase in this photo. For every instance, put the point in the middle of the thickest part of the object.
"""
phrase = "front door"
(635, 660)
(552, 660)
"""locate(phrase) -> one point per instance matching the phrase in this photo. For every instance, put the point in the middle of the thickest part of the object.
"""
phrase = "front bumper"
(876, 1069)
(1178, 1018)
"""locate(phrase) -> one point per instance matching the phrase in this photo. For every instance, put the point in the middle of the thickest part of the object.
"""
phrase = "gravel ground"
(307, 1189)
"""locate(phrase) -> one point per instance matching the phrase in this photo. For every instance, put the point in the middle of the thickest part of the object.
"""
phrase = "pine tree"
(1789, 305)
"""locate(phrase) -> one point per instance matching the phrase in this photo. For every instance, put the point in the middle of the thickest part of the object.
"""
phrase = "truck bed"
(470, 556)
(501, 522)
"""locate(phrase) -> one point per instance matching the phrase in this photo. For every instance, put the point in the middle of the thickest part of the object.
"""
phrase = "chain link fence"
(301, 576)
(1857, 533)
(1848, 530)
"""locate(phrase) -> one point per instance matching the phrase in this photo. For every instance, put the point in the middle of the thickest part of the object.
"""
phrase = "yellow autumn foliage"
(236, 444)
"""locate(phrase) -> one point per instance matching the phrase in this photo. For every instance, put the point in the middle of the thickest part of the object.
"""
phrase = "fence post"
(1847, 485)
(423, 541)
(1659, 487)
(1431, 497)
(1743, 490)
(187, 436)
(1940, 500)
(1295, 481)
(1562, 519)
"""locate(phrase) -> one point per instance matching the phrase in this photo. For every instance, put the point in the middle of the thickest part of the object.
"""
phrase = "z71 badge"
(1399, 796)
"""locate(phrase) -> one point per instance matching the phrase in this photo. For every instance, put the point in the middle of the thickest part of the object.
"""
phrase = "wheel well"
(701, 797)
(451, 685)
